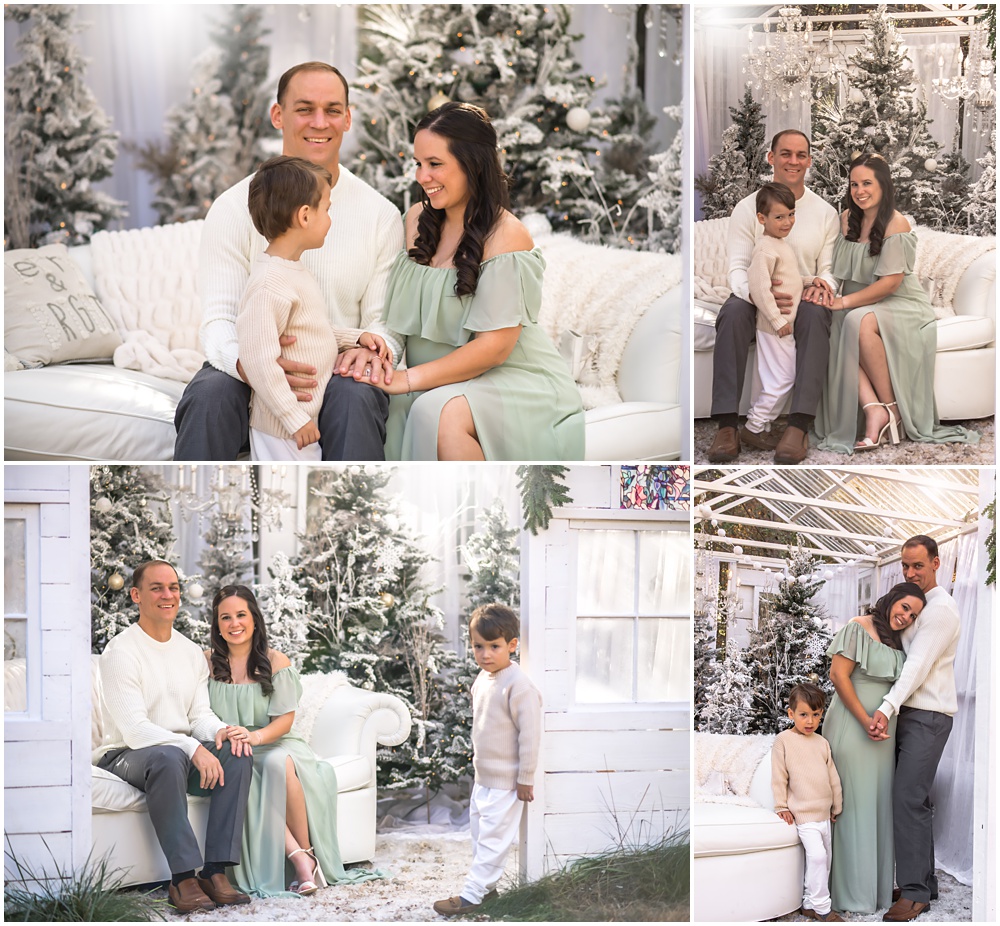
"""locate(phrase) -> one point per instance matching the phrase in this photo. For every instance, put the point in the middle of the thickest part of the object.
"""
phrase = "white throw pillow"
(110, 793)
(51, 314)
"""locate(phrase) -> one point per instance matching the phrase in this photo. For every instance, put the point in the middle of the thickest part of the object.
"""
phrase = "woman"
(884, 336)
(483, 381)
(292, 808)
(867, 658)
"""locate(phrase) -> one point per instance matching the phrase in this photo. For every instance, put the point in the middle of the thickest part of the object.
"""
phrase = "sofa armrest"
(354, 721)
(976, 291)
(650, 368)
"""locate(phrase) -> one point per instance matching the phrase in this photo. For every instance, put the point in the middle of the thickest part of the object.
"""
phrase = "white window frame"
(625, 520)
(31, 515)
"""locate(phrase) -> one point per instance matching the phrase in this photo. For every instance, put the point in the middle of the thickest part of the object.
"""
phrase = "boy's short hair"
(809, 693)
(771, 193)
(492, 621)
(281, 186)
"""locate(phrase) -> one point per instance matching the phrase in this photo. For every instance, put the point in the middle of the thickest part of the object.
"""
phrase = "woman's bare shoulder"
(897, 224)
(278, 660)
(509, 235)
(865, 620)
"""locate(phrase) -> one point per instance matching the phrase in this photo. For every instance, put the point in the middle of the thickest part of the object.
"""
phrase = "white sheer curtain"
(839, 594)
(953, 785)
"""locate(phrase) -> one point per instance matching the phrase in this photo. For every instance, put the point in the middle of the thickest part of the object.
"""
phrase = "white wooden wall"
(609, 775)
(47, 748)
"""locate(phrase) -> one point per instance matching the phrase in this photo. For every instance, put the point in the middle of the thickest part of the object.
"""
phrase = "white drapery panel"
(953, 785)
(839, 594)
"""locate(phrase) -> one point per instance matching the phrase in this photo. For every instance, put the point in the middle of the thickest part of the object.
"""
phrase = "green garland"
(541, 490)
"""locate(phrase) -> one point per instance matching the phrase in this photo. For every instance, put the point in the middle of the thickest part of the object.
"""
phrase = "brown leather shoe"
(188, 896)
(897, 893)
(830, 917)
(455, 906)
(763, 440)
(793, 446)
(726, 446)
(903, 910)
(221, 891)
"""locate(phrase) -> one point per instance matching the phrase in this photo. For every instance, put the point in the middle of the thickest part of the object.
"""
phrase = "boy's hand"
(784, 330)
(833, 818)
(526, 793)
(376, 343)
(786, 815)
(306, 435)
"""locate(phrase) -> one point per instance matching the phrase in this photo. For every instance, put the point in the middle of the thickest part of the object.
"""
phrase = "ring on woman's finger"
(368, 371)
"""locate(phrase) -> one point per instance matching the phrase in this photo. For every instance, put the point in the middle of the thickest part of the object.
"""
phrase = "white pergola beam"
(802, 529)
(768, 545)
(891, 475)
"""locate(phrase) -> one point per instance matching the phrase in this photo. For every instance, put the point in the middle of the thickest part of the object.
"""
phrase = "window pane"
(664, 659)
(604, 659)
(606, 573)
(14, 575)
(664, 572)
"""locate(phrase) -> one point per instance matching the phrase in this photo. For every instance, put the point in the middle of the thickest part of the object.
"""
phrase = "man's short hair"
(310, 66)
(281, 186)
(777, 138)
(140, 570)
(809, 694)
(922, 540)
(771, 193)
(492, 621)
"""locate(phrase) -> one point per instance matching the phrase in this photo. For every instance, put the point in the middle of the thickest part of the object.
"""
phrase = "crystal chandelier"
(975, 82)
(790, 60)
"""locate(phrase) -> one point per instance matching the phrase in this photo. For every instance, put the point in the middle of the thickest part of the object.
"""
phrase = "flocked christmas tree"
(707, 662)
(57, 139)
(283, 603)
(371, 615)
(949, 211)
(884, 115)
(227, 558)
(664, 198)
(729, 700)
(583, 167)
(741, 166)
(789, 644)
(214, 137)
(982, 207)
(129, 524)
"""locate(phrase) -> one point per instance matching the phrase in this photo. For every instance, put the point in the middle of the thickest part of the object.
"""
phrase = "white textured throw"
(146, 279)
(736, 757)
(316, 688)
(600, 293)
(942, 258)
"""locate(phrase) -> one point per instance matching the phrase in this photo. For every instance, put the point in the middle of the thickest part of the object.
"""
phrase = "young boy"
(807, 793)
(289, 204)
(772, 259)
(506, 729)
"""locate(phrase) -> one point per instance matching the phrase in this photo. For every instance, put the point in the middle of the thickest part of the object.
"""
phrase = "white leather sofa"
(99, 411)
(748, 863)
(344, 731)
(965, 364)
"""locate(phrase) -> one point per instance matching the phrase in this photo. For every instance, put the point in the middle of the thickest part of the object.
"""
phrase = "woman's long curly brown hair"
(258, 663)
(886, 208)
(883, 607)
(472, 141)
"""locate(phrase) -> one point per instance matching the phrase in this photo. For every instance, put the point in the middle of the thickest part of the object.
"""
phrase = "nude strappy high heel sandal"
(866, 443)
(314, 882)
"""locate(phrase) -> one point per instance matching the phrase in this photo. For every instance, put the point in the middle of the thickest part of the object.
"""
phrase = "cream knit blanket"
(316, 689)
(146, 279)
(599, 293)
(942, 258)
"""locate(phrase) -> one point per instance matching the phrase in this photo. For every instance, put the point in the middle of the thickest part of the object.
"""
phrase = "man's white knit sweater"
(506, 728)
(282, 297)
(927, 681)
(352, 267)
(812, 239)
(154, 694)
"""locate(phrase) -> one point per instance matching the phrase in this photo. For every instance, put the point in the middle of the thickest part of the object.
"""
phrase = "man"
(161, 736)
(924, 697)
(352, 269)
(812, 239)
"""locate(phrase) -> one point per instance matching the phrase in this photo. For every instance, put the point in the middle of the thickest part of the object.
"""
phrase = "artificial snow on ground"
(954, 905)
(905, 453)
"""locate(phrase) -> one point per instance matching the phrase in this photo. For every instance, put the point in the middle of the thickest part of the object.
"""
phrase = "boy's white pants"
(280, 449)
(816, 840)
(495, 817)
(776, 370)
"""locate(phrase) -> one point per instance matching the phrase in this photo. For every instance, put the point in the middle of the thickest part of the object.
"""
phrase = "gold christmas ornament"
(439, 99)
(116, 582)
(387, 599)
